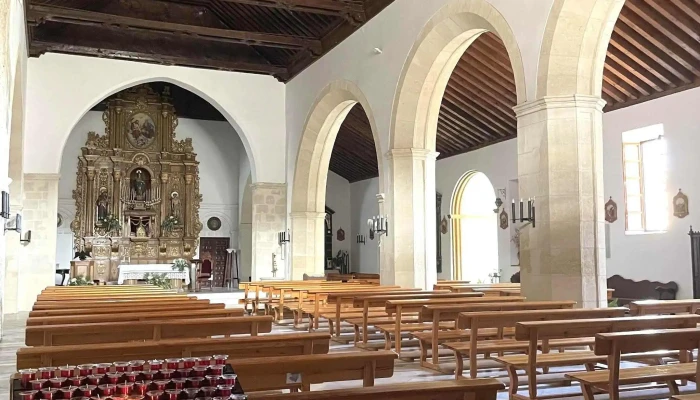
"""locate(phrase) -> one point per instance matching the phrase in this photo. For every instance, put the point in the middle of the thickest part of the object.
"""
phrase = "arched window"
(474, 229)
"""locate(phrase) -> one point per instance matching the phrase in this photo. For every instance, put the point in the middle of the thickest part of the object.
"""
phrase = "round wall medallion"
(214, 223)
(59, 220)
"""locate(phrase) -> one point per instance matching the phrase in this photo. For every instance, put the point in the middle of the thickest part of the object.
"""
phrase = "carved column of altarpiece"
(138, 174)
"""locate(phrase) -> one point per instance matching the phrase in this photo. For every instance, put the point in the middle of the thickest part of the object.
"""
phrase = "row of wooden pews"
(90, 325)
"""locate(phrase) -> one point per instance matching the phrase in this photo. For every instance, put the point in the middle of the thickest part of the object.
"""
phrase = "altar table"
(138, 271)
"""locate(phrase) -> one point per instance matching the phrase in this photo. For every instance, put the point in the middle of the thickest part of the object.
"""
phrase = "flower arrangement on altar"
(169, 223)
(80, 281)
(111, 223)
(180, 264)
(159, 280)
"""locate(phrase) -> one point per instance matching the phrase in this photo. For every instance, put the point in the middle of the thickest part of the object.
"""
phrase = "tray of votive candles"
(195, 378)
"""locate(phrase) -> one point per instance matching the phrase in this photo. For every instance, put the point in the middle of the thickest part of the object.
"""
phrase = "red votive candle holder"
(173, 394)
(161, 383)
(199, 371)
(220, 359)
(189, 362)
(225, 390)
(154, 394)
(80, 398)
(94, 379)
(166, 373)
(155, 365)
(26, 375)
(209, 391)
(103, 368)
(179, 382)
(137, 365)
(76, 380)
(121, 366)
(37, 384)
(132, 376)
(67, 392)
(136, 397)
(46, 372)
(213, 380)
(185, 372)
(216, 369)
(48, 394)
(203, 361)
(172, 363)
(107, 390)
(196, 381)
(28, 395)
(124, 389)
(66, 371)
(87, 390)
(141, 387)
(85, 369)
(238, 397)
(57, 382)
(203, 398)
(191, 392)
(113, 377)
(229, 379)
(149, 375)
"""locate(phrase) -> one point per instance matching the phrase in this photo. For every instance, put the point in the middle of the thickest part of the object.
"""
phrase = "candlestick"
(521, 211)
(512, 211)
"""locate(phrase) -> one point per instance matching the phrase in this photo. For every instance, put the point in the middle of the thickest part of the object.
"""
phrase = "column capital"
(307, 215)
(42, 177)
(268, 185)
(552, 102)
(414, 153)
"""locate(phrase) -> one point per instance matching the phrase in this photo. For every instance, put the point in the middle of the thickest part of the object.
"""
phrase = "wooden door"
(217, 248)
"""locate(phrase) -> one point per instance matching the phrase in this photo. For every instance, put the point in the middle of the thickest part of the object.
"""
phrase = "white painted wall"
(395, 31)
(219, 151)
(338, 199)
(666, 256)
(364, 205)
(62, 88)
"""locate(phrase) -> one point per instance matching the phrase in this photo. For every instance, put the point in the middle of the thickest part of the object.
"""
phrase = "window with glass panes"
(645, 186)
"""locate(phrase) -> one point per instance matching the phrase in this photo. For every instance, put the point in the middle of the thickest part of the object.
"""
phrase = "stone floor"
(13, 338)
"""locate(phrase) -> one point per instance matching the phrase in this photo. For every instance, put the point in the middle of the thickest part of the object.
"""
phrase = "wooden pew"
(319, 295)
(117, 332)
(136, 304)
(508, 319)
(271, 373)
(235, 347)
(138, 316)
(540, 334)
(482, 389)
(649, 307)
(199, 305)
(616, 345)
(450, 312)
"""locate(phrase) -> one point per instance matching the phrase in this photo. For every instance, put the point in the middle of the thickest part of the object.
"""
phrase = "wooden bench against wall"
(650, 307)
(476, 389)
(117, 332)
(615, 345)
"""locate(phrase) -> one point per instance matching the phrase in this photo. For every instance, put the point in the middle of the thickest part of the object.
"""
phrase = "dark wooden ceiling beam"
(640, 71)
(498, 127)
(679, 17)
(483, 92)
(39, 14)
(621, 93)
(470, 124)
(628, 78)
(324, 7)
(461, 135)
(484, 62)
(689, 7)
(670, 30)
(619, 44)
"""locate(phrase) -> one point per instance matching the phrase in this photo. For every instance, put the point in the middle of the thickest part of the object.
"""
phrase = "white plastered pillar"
(560, 164)
(269, 218)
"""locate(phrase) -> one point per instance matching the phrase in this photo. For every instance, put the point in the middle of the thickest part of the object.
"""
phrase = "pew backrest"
(140, 316)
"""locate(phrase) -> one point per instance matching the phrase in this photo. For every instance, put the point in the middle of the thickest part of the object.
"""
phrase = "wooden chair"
(204, 272)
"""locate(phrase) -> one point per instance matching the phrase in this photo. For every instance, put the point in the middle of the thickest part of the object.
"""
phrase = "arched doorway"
(474, 229)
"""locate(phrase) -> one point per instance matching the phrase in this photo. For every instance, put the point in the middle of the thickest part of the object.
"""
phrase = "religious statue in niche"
(102, 205)
(611, 211)
(175, 205)
(341, 235)
(680, 205)
(142, 130)
(443, 225)
(503, 219)
(139, 186)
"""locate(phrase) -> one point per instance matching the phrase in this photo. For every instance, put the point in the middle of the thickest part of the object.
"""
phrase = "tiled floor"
(13, 338)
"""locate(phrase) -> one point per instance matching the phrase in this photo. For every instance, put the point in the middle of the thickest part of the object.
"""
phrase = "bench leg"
(330, 328)
(423, 352)
(587, 392)
(387, 340)
(459, 369)
(673, 387)
(513, 376)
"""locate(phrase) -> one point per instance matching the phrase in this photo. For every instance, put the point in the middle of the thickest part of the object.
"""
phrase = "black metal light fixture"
(284, 237)
(5, 211)
(379, 224)
(18, 225)
(27, 237)
(530, 211)
(361, 239)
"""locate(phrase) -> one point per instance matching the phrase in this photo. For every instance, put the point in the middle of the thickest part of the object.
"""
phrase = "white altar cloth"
(138, 271)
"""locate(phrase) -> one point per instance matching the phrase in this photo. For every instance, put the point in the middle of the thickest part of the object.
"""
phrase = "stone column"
(189, 191)
(560, 164)
(269, 218)
(410, 247)
(116, 199)
(39, 215)
(91, 199)
(308, 248)
(165, 201)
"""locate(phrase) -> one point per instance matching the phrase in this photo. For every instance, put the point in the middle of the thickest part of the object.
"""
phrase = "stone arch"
(411, 193)
(311, 171)
(574, 47)
(135, 82)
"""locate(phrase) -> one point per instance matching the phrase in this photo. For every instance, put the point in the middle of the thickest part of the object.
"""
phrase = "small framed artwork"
(680, 205)
(503, 219)
(611, 211)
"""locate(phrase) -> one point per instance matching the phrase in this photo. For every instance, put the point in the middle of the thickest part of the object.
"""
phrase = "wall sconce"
(18, 225)
(284, 237)
(379, 224)
(499, 199)
(28, 238)
(361, 239)
(530, 211)
(5, 212)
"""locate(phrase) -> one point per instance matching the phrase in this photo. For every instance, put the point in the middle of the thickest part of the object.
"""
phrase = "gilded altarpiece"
(137, 194)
